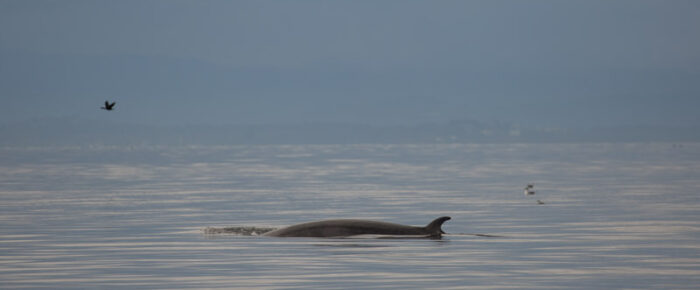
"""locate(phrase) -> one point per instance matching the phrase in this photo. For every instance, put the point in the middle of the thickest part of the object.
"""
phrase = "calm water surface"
(614, 216)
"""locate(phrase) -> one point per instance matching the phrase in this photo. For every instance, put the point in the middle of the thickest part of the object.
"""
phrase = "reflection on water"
(614, 216)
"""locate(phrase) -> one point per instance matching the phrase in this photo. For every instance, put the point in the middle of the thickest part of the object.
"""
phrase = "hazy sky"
(537, 63)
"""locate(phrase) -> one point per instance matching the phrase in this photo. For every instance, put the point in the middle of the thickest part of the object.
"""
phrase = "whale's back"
(350, 227)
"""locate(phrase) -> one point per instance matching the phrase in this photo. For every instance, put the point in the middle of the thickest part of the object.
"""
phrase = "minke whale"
(353, 227)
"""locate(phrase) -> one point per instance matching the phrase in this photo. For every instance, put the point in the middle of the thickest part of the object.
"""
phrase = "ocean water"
(614, 216)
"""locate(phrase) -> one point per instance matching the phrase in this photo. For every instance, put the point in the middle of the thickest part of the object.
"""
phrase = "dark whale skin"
(353, 227)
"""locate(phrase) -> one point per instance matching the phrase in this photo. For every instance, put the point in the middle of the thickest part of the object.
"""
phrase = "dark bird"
(108, 106)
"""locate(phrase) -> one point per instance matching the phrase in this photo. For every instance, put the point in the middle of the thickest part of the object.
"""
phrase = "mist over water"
(172, 188)
(621, 215)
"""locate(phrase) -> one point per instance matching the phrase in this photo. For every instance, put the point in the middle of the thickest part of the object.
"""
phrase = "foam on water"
(240, 231)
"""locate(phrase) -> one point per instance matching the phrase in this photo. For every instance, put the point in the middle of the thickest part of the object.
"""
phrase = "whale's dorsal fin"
(434, 227)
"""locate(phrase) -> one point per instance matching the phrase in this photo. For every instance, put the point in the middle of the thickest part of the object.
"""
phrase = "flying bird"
(108, 106)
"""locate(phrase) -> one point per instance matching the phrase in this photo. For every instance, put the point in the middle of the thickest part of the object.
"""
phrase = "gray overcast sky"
(537, 63)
